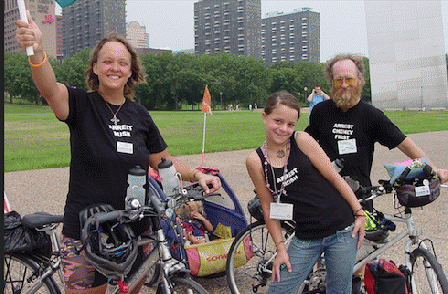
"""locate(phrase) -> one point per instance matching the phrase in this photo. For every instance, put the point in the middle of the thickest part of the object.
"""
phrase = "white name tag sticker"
(124, 147)
(347, 146)
(281, 211)
(422, 191)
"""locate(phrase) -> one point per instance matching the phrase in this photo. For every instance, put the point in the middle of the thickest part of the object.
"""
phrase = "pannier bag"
(210, 257)
(18, 238)
(383, 277)
(415, 182)
(254, 208)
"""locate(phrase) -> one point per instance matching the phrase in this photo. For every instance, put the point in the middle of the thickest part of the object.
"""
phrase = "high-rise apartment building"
(59, 37)
(231, 26)
(86, 22)
(291, 36)
(137, 35)
(42, 12)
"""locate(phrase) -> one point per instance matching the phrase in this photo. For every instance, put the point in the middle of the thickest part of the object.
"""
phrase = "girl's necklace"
(275, 192)
(115, 120)
(280, 153)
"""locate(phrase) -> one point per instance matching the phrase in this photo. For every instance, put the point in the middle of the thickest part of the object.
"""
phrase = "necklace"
(115, 120)
(275, 192)
(280, 152)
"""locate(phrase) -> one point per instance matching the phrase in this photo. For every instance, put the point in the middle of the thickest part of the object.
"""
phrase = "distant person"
(317, 96)
(109, 135)
(291, 168)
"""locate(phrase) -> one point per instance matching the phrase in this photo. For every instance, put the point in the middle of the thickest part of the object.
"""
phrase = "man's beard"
(348, 99)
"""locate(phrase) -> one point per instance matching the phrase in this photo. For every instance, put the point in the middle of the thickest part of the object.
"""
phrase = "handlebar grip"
(108, 216)
(156, 203)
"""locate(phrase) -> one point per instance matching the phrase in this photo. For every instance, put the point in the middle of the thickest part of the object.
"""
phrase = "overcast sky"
(170, 23)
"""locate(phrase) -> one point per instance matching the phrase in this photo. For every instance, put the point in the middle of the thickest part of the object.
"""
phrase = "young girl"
(194, 223)
(293, 167)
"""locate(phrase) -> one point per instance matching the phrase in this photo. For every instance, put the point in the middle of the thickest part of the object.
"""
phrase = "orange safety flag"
(206, 104)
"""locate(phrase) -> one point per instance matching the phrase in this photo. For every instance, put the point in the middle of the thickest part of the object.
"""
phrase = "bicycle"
(173, 274)
(31, 273)
(256, 273)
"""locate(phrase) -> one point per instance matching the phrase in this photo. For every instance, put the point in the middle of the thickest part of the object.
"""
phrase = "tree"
(366, 93)
(18, 78)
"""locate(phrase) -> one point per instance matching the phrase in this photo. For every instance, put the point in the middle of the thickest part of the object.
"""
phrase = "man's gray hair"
(358, 60)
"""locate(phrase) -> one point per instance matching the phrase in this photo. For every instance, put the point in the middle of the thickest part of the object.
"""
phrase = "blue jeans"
(340, 255)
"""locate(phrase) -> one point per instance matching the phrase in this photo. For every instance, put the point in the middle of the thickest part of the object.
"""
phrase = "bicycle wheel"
(20, 273)
(253, 273)
(183, 286)
(427, 273)
(153, 275)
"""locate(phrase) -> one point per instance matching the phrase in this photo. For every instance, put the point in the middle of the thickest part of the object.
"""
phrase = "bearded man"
(347, 127)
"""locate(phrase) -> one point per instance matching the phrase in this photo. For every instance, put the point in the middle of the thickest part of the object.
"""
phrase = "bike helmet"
(110, 246)
(377, 227)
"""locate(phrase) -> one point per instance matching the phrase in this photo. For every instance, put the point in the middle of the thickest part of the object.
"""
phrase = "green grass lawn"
(35, 139)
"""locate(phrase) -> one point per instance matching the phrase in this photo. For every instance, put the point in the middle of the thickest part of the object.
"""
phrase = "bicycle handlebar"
(192, 192)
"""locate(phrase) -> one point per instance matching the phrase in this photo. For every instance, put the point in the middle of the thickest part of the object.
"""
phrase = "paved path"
(45, 190)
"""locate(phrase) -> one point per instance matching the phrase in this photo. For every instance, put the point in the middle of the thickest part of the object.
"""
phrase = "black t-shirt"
(319, 209)
(352, 135)
(102, 153)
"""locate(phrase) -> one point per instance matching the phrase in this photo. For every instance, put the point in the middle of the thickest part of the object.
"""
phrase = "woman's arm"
(187, 173)
(320, 160)
(55, 94)
(256, 173)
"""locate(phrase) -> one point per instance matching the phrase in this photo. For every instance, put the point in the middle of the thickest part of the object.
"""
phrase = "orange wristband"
(39, 64)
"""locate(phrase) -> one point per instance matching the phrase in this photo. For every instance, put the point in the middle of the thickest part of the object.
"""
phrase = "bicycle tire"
(255, 273)
(183, 286)
(423, 263)
(153, 275)
(19, 270)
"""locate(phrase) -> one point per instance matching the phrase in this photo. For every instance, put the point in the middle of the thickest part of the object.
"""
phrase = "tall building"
(137, 35)
(231, 26)
(42, 12)
(406, 54)
(86, 22)
(59, 38)
(291, 36)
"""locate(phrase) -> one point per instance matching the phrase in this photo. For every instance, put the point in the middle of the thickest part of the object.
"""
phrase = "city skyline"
(170, 24)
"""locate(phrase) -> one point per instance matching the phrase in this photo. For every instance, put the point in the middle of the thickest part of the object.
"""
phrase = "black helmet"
(110, 246)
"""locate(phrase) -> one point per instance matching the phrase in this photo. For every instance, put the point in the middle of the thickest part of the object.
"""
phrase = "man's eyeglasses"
(348, 81)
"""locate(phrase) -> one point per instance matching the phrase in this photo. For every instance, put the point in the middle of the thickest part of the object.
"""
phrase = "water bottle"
(168, 173)
(136, 193)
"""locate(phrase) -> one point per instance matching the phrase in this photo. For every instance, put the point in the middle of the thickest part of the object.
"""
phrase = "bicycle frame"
(160, 253)
(410, 231)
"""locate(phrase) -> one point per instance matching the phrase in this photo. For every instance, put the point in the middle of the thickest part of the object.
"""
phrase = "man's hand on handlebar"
(443, 175)
(205, 179)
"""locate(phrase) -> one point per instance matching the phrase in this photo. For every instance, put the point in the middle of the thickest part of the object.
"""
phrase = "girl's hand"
(359, 229)
(281, 259)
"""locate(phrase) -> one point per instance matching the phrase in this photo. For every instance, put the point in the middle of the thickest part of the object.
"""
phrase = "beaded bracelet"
(39, 64)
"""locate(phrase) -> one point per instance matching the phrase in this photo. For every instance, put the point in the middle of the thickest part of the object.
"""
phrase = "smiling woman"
(109, 135)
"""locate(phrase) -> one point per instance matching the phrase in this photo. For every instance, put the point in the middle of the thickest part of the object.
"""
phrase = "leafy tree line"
(175, 79)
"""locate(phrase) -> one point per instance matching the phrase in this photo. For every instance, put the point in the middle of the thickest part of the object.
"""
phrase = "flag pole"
(203, 140)
(206, 108)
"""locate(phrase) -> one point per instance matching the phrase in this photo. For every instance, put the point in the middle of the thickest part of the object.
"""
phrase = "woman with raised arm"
(109, 135)
(296, 180)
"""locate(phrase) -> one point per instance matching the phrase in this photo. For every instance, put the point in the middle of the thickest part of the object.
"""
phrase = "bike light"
(124, 287)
